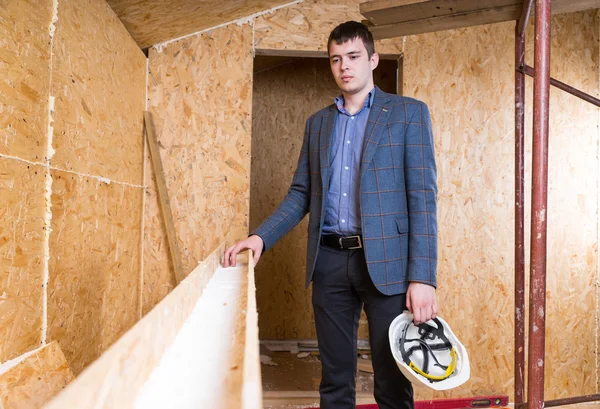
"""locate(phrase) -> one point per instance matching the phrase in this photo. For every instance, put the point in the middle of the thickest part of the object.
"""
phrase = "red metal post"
(519, 219)
(539, 206)
(520, 30)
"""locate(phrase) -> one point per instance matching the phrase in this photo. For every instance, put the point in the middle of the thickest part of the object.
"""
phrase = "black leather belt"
(342, 242)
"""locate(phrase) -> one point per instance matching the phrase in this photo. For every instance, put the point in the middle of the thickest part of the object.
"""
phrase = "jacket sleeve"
(294, 206)
(421, 187)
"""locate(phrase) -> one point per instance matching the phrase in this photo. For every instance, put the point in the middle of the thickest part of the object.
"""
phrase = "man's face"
(351, 66)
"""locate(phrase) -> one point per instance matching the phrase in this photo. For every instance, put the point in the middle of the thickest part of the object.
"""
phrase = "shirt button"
(346, 167)
(343, 221)
(351, 117)
(348, 142)
(345, 194)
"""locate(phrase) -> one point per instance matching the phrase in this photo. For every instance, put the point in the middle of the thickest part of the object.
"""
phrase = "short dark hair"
(349, 31)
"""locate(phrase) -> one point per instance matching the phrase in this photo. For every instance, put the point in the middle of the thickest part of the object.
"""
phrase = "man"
(367, 176)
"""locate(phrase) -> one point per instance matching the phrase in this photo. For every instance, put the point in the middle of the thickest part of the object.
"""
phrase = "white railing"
(197, 348)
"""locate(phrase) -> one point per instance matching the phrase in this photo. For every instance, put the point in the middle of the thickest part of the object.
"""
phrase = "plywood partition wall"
(200, 93)
(466, 77)
(24, 53)
(283, 99)
(72, 90)
(98, 80)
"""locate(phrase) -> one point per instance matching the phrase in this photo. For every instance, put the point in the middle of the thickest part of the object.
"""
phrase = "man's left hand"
(420, 300)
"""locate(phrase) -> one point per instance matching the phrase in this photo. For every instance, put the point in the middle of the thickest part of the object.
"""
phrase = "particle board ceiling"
(394, 18)
(152, 22)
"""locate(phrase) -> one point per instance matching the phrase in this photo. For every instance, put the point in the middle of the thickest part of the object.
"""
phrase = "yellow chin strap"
(449, 370)
(429, 333)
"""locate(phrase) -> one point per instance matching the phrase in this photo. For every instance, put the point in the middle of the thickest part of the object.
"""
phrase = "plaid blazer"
(397, 192)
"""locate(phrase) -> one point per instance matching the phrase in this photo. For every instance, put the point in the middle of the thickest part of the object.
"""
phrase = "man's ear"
(374, 61)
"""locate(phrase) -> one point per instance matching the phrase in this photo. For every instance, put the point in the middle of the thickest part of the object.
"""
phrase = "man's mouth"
(346, 78)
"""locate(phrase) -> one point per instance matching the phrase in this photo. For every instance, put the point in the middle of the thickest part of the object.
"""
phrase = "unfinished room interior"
(140, 139)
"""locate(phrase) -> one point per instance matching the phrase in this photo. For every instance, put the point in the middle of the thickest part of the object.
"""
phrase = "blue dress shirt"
(342, 211)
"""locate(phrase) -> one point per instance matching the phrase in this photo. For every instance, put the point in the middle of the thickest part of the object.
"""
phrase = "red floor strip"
(456, 403)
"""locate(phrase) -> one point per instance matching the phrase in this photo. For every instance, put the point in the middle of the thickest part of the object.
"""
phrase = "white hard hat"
(428, 353)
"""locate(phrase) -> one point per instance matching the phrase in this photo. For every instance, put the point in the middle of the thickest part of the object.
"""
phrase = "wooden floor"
(290, 382)
(287, 378)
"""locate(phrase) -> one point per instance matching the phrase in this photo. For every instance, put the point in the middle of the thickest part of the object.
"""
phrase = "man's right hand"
(254, 243)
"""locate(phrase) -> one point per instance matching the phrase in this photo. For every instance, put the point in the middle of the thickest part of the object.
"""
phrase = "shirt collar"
(339, 102)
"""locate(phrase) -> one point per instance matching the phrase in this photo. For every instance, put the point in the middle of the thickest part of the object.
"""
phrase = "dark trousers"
(341, 285)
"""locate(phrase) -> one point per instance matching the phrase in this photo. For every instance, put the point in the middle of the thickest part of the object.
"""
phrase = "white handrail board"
(197, 348)
(252, 387)
(196, 371)
(115, 379)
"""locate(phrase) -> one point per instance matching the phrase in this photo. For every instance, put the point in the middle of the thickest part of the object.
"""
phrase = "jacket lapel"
(376, 123)
(325, 142)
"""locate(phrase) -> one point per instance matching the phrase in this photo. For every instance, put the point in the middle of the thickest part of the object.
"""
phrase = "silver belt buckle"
(355, 247)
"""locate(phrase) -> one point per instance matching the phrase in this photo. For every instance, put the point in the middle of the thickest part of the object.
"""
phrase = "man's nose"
(344, 65)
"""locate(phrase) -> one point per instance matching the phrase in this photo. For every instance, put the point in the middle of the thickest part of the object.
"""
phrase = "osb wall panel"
(24, 64)
(200, 94)
(93, 294)
(37, 379)
(306, 26)
(283, 98)
(466, 77)
(156, 21)
(98, 80)
(21, 256)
